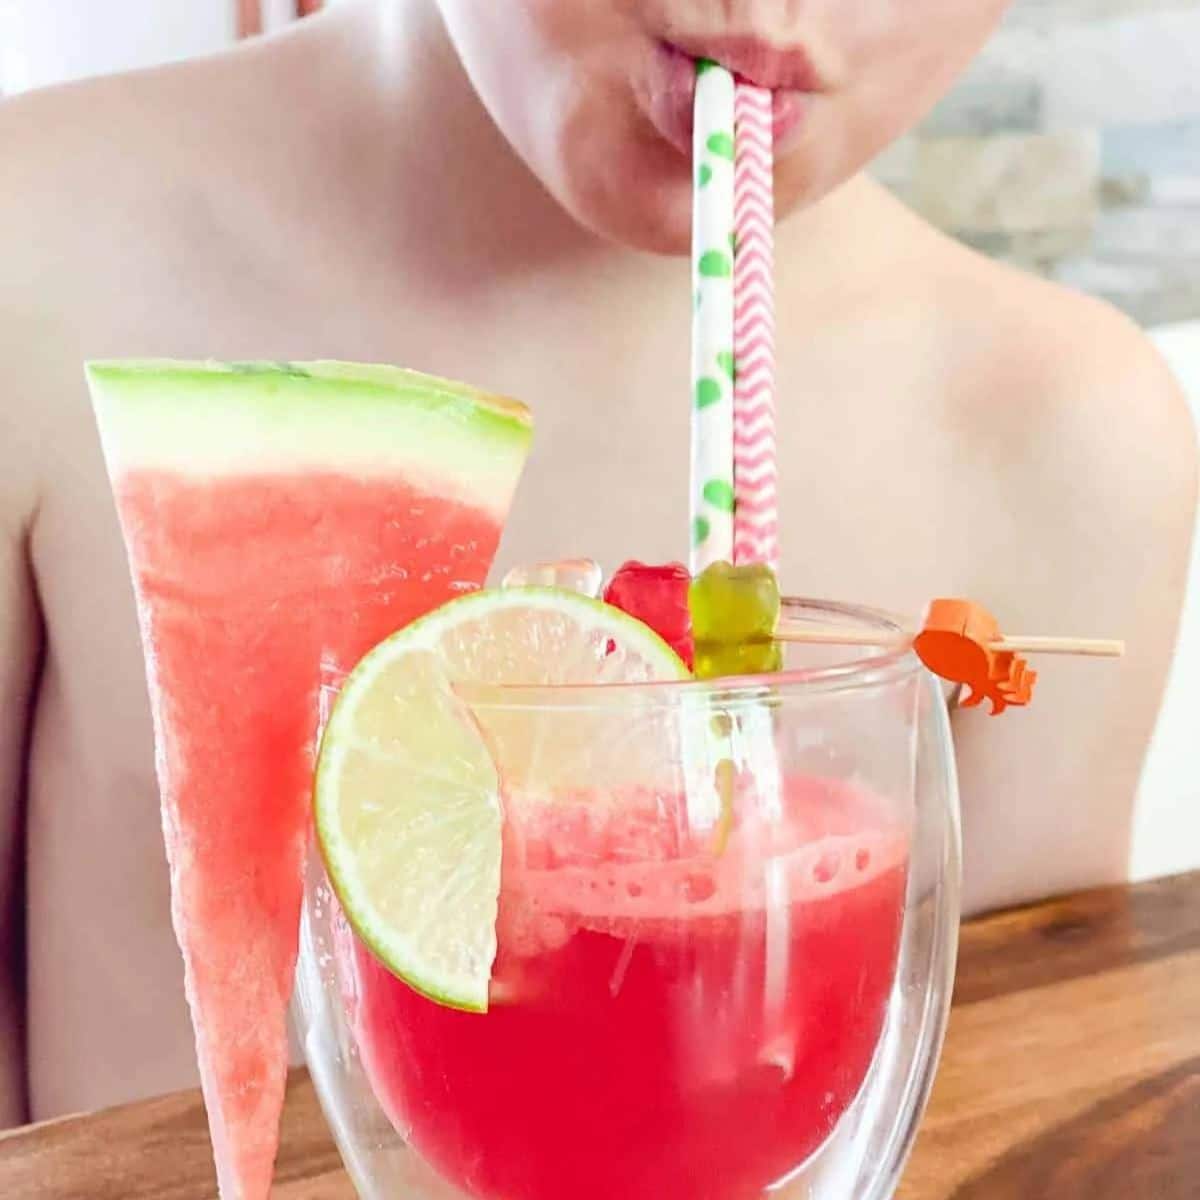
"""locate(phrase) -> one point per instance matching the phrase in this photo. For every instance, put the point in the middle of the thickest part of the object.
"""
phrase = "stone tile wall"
(1072, 148)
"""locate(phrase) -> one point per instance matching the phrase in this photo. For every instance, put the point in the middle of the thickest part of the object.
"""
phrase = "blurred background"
(1071, 148)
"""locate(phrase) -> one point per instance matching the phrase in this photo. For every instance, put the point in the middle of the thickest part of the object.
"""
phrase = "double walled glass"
(727, 934)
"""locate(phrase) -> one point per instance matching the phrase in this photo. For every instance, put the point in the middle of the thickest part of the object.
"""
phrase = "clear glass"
(727, 933)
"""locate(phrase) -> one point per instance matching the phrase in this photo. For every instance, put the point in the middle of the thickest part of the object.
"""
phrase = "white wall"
(48, 41)
(1167, 825)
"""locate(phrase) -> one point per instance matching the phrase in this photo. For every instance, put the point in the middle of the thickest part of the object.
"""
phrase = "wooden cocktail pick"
(960, 641)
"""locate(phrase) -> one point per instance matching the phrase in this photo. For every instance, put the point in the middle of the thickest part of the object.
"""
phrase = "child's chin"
(666, 238)
(654, 217)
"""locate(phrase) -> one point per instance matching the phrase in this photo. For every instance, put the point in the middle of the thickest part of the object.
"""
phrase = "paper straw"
(756, 518)
(727, 741)
(706, 752)
(712, 492)
(755, 473)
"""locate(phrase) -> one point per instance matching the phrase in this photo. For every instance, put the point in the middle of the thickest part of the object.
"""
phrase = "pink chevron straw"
(755, 473)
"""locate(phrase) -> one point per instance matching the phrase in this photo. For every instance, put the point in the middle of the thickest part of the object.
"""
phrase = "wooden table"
(1071, 1070)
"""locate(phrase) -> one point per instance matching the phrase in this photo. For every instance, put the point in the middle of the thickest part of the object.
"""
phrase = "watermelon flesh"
(280, 520)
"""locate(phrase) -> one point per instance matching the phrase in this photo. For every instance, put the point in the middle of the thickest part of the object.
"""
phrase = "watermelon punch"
(583, 927)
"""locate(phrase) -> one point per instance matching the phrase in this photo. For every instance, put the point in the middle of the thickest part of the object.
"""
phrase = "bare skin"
(948, 427)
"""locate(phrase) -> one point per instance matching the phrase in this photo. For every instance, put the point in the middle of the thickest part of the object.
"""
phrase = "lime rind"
(400, 945)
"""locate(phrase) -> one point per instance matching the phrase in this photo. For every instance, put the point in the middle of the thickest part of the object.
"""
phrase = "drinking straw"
(708, 751)
(712, 493)
(755, 474)
(756, 520)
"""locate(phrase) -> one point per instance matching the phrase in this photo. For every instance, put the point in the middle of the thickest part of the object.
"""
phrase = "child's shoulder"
(1069, 457)
(115, 157)
(90, 170)
(121, 215)
(75, 222)
(1063, 334)
(1066, 383)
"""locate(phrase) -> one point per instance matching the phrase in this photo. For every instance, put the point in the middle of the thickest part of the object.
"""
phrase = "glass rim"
(870, 667)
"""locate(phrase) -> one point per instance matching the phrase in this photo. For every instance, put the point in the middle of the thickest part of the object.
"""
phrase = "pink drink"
(666, 1023)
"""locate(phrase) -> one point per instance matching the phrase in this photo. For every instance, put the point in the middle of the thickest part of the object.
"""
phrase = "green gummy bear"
(734, 614)
(716, 661)
(730, 604)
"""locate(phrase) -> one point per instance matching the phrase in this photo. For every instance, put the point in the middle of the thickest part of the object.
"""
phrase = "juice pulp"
(665, 1023)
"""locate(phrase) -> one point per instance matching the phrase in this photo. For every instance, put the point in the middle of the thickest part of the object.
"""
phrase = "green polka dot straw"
(712, 318)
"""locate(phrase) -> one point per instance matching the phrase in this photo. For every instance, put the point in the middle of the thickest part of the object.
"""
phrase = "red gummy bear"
(657, 596)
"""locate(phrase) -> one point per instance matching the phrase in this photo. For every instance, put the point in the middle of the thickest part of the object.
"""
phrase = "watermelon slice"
(279, 519)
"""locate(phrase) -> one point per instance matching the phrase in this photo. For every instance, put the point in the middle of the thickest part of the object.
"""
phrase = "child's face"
(596, 94)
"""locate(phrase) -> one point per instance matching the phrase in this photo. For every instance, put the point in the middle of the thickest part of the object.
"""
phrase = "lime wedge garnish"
(408, 812)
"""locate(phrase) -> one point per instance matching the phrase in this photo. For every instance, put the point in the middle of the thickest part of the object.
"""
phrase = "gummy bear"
(657, 596)
(581, 575)
(734, 614)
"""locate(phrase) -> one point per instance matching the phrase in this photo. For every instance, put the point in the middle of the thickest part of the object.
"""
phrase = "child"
(464, 186)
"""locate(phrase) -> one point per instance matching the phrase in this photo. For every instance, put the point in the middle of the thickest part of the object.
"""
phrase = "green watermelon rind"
(212, 418)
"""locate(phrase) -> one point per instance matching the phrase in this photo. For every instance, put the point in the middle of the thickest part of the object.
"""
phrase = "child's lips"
(778, 68)
(668, 97)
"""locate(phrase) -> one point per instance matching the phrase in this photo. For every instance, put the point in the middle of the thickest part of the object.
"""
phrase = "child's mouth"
(779, 69)
(668, 97)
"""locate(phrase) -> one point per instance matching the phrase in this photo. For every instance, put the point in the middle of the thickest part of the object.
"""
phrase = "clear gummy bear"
(582, 575)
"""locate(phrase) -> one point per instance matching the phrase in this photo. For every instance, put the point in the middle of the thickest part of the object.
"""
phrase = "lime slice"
(408, 811)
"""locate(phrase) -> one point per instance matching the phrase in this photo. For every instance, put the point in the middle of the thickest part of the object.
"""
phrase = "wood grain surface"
(1071, 1072)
